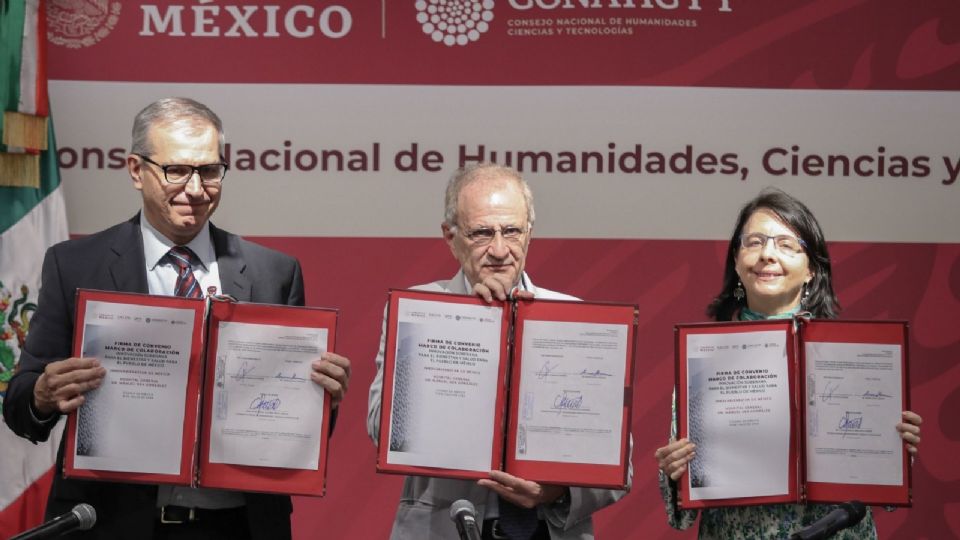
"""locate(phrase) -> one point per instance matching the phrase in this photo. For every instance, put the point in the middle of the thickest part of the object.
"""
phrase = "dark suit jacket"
(113, 260)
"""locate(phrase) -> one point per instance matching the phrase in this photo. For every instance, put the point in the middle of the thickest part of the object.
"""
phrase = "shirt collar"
(746, 314)
(522, 286)
(156, 245)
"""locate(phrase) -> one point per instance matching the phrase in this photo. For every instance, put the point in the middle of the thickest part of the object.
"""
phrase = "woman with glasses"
(777, 266)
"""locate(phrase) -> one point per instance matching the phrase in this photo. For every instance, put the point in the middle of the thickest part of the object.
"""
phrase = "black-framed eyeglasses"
(482, 236)
(785, 243)
(176, 173)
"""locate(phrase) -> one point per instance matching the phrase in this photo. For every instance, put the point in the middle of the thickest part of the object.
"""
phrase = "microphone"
(81, 518)
(846, 515)
(464, 515)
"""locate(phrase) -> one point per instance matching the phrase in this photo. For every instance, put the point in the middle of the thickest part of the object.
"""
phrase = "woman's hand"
(674, 457)
(910, 430)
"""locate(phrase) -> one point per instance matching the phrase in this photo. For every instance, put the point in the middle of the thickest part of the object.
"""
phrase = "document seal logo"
(80, 23)
(454, 22)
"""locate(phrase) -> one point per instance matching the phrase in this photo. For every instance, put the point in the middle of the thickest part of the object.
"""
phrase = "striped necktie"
(187, 285)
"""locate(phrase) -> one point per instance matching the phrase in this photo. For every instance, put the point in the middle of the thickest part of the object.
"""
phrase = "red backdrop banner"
(293, 77)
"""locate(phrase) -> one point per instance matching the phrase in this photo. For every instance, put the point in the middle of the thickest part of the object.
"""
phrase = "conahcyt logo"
(80, 23)
(454, 22)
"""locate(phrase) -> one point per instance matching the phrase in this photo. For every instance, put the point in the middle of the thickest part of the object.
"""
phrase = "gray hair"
(480, 171)
(172, 111)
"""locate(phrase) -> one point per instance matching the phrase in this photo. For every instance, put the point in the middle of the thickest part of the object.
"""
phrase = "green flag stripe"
(16, 202)
(11, 45)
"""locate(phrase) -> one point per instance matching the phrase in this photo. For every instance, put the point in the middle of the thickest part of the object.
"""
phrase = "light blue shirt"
(162, 279)
(162, 274)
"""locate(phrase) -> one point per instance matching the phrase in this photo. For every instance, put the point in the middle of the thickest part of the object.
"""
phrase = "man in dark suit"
(176, 164)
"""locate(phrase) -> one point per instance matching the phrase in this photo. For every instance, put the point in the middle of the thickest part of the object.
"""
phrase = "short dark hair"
(821, 302)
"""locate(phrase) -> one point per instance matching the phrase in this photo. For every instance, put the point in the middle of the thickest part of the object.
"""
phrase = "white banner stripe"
(29, 58)
(22, 248)
(23, 245)
(24, 462)
(611, 162)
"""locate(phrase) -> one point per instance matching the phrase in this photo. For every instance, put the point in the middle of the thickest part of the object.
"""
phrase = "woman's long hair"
(819, 298)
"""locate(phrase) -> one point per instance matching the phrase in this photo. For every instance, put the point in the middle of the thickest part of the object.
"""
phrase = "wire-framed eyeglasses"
(482, 236)
(785, 243)
(177, 173)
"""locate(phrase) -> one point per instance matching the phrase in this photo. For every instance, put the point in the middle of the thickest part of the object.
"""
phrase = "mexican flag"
(32, 218)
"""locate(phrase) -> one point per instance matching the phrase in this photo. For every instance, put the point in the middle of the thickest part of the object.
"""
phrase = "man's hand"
(522, 492)
(498, 286)
(61, 386)
(332, 372)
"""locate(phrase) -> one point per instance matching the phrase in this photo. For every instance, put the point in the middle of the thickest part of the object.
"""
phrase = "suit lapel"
(230, 263)
(128, 269)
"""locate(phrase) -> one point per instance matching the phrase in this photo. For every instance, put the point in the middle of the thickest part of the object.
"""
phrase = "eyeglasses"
(482, 236)
(211, 173)
(785, 243)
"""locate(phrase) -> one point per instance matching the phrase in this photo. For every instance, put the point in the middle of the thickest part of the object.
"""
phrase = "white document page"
(571, 392)
(738, 414)
(445, 385)
(266, 410)
(853, 405)
(134, 421)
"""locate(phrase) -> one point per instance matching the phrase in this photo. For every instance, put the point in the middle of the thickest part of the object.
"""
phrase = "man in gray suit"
(170, 248)
(488, 223)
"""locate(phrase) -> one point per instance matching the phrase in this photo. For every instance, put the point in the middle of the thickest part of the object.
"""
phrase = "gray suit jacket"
(424, 510)
(113, 260)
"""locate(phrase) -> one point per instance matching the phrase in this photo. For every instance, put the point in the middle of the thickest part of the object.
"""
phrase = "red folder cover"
(248, 477)
(509, 359)
(502, 320)
(139, 375)
(571, 473)
(196, 469)
(878, 332)
(796, 337)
